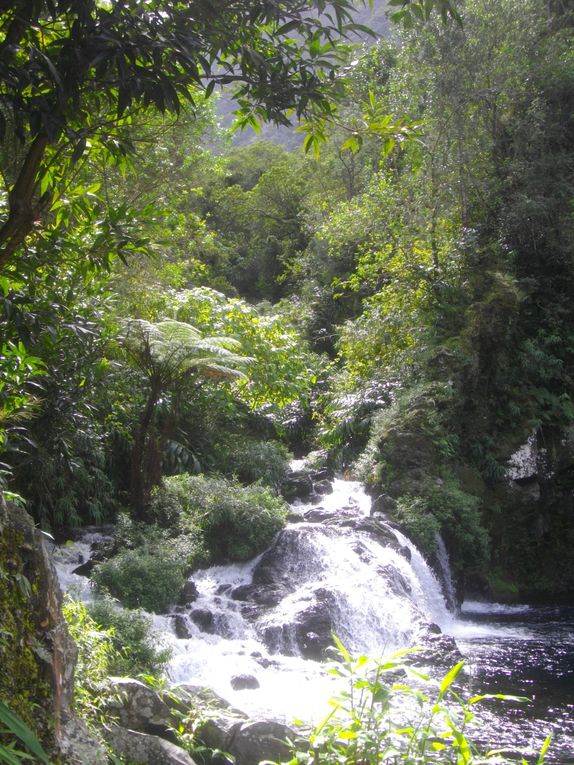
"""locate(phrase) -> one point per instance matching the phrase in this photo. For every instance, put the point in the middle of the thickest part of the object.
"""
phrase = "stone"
(218, 721)
(78, 745)
(204, 620)
(323, 487)
(313, 627)
(188, 593)
(243, 682)
(138, 707)
(261, 740)
(85, 569)
(144, 748)
(181, 627)
(296, 485)
(384, 504)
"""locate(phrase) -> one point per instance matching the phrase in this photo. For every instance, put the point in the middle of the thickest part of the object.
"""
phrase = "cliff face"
(531, 519)
(37, 655)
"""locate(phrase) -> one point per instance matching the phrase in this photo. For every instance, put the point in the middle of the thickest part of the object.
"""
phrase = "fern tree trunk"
(144, 456)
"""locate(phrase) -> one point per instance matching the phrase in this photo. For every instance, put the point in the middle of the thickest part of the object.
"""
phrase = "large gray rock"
(218, 720)
(297, 485)
(261, 740)
(138, 707)
(145, 749)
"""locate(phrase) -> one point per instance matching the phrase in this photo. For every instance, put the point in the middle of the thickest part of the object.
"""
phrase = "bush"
(96, 656)
(443, 507)
(236, 522)
(133, 639)
(147, 577)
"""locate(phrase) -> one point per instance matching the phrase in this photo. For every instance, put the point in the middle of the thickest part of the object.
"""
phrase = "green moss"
(502, 588)
(23, 684)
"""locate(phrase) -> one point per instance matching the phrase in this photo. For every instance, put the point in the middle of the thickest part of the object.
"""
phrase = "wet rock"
(188, 593)
(261, 740)
(244, 682)
(294, 517)
(314, 625)
(318, 515)
(144, 748)
(322, 475)
(85, 569)
(384, 504)
(323, 487)
(181, 627)
(204, 620)
(296, 485)
(138, 707)
(436, 649)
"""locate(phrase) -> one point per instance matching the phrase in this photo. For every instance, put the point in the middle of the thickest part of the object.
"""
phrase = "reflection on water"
(523, 651)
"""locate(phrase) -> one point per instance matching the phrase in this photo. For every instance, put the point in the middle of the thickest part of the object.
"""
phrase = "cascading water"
(332, 570)
(337, 568)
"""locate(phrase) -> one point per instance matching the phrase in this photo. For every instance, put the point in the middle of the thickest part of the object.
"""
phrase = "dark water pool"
(523, 651)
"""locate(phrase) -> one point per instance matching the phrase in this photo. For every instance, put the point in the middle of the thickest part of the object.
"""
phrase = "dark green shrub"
(133, 639)
(253, 461)
(147, 577)
(236, 522)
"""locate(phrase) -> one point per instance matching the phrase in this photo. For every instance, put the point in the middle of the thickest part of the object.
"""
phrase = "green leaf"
(19, 728)
(544, 749)
(449, 679)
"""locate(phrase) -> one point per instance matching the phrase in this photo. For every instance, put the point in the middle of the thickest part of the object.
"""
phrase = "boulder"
(261, 740)
(188, 593)
(144, 748)
(297, 485)
(204, 620)
(181, 626)
(323, 487)
(314, 626)
(218, 720)
(243, 682)
(138, 707)
(384, 504)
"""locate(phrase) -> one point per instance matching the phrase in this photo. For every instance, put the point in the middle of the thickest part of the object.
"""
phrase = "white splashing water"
(380, 590)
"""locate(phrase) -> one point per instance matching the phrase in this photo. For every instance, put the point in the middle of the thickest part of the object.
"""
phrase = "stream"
(336, 568)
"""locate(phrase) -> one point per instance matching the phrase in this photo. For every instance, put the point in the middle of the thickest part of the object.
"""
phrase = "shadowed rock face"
(55, 654)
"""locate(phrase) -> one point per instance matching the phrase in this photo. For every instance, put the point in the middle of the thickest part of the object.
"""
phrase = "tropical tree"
(74, 74)
(169, 355)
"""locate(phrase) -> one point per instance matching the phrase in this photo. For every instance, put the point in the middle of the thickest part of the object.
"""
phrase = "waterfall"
(446, 572)
(334, 569)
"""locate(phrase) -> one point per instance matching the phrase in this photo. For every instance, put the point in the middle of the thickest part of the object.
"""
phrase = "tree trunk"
(23, 211)
(140, 486)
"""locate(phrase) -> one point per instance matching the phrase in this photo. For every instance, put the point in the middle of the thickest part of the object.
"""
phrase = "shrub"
(236, 522)
(133, 638)
(96, 656)
(147, 577)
